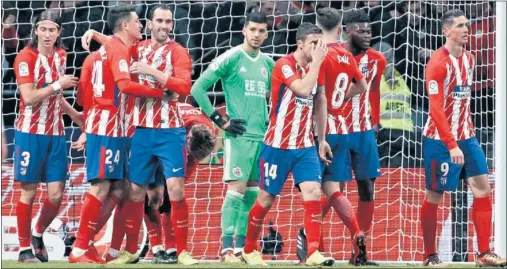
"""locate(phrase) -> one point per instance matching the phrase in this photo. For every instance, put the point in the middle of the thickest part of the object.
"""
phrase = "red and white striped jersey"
(107, 113)
(45, 117)
(363, 110)
(337, 72)
(172, 59)
(192, 116)
(291, 116)
(448, 82)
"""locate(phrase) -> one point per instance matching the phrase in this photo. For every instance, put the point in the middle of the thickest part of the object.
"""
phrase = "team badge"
(433, 87)
(287, 71)
(23, 69)
(236, 171)
(264, 72)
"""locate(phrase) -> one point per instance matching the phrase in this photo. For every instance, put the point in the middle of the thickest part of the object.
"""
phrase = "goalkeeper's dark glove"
(232, 126)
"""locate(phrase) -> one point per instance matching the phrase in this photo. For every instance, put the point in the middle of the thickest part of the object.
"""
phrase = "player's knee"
(55, 197)
(480, 186)
(137, 193)
(311, 191)
(265, 199)
(175, 188)
(27, 196)
(366, 189)
(433, 196)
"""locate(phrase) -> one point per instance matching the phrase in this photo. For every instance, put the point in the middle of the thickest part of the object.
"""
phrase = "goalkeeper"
(245, 73)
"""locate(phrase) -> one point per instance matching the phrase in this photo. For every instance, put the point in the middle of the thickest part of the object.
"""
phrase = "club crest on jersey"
(264, 72)
(364, 69)
(124, 67)
(236, 171)
(23, 69)
(61, 70)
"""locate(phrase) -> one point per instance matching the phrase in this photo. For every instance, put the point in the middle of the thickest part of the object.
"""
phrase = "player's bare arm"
(320, 114)
(31, 95)
(356, 88)
(304, 86)
(93, 35)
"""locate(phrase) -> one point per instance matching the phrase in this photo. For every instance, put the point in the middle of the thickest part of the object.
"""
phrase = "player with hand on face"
(105, 126)
(449, 142)
(245, 73)
(289, 146)
(341, 79)
(40, 151)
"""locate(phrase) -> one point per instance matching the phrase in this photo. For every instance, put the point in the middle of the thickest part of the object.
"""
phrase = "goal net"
(405, 32)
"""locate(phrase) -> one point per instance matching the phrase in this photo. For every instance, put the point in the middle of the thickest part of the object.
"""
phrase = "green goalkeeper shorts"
(241, 159)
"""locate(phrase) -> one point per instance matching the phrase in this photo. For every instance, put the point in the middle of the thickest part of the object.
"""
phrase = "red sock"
(134, 212)
(179, 216)
(168, 231)
(90, 214)
(47, 215)
(107, 208)
(255, 220)
(313, 225)
(343, 208)
(365, 215)
(154, 228)
(118, 228)
(325, 208)
(429, 227)
(24, 217)
(481, 214)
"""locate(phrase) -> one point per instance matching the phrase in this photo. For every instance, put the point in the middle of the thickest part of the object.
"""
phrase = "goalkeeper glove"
(233, 127)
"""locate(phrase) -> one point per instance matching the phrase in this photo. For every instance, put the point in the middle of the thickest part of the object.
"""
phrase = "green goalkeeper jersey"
(246, 79)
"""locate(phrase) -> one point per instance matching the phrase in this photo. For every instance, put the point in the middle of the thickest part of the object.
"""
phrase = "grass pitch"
(64, 264)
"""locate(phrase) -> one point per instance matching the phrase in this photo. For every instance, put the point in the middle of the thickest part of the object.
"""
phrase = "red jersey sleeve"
(119, 62)
(285, 72)
(84, 90)
(375, 90)
(435, 75)
(356, 75)
(24, 66)
(181, 80)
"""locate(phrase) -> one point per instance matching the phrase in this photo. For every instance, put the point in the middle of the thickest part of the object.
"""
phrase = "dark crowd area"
(406, 32)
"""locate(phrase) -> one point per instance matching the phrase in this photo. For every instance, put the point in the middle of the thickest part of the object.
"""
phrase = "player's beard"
(254, 45)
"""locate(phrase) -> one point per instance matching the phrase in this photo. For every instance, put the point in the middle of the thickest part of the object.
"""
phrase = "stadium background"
(405, 31)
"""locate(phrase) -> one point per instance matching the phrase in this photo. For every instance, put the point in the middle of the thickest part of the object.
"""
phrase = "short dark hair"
(306, 29)
(202, 142)
(154, 8)
(46, 15)
(257, 17)
(450, 15)
(328, 18)
(119, 14)
(355, 16)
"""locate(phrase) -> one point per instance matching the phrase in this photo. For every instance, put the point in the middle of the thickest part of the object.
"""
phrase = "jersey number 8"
(340, 87)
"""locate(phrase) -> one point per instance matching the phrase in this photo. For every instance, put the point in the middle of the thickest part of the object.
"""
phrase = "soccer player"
(338, 72)
(449, 142)
(105, 124)
(289, 145)
(245, 73)
(200, 143)
(362, 117)
(40, 152)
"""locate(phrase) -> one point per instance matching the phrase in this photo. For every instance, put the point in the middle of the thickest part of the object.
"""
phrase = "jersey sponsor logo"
(433, 87)
(236, 171)
(264, 72)
(287, 71)
(23, 69)
(307, 100)
(343, 59)
(124, 67)
(461, 92)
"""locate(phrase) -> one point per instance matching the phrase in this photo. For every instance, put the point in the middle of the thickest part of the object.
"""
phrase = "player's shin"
(255, 220)
(48, 213)
(153, 221)
(118, 231)
(90, 214)
(429, 226)
(231, 210)
(248, 201)
(107, 209)
(24, 220)
(170, 244)
(481, 214)
(313, 225)
(179, 218)
(324, 203)
(344, 210)
(366, 205)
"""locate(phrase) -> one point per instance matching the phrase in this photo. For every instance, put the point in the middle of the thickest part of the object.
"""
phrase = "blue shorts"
(275, 165)
(106, 157)
(151, 147)
(441, 173)
(357, 151)
(339, 169)
(158, 179)
(40, 158)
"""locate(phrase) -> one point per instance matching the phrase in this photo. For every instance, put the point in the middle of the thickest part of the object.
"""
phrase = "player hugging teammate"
(129, 91)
